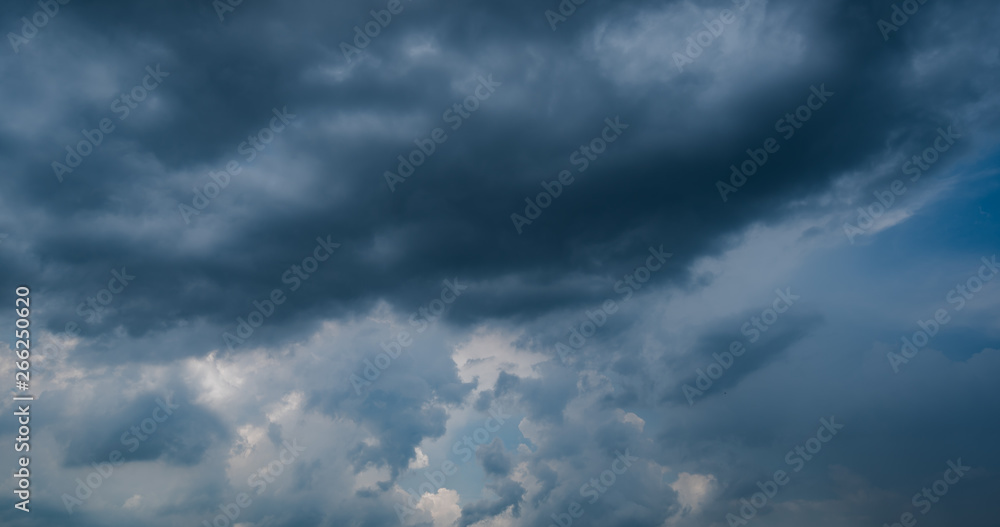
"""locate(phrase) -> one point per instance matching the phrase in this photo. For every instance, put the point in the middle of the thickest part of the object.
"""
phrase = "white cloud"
(693, 490)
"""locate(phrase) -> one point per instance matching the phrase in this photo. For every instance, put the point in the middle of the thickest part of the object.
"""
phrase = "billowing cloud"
(429, 264)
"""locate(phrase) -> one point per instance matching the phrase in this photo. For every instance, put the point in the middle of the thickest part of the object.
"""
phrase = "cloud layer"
(607, 263)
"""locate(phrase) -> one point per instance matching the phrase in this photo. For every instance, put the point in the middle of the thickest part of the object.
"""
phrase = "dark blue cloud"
(323, 367)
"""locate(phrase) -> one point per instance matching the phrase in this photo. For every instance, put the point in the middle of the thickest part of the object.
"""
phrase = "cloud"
(314, 369)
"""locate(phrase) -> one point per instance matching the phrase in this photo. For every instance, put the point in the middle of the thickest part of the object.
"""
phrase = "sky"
(558, 263)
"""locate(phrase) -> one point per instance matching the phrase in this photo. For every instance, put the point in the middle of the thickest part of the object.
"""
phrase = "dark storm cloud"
(509, 497)
(453, 216)
(149, 428)
(322, 176)
(716, 347)
(544, 398)
(494, 458)
(395, 407)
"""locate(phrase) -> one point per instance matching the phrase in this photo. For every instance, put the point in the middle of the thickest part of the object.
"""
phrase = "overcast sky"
(503, 264)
